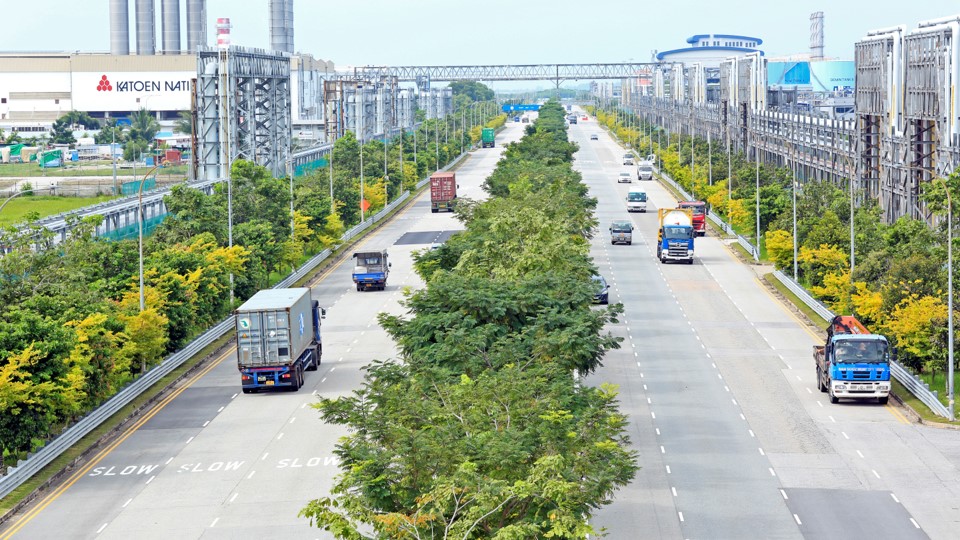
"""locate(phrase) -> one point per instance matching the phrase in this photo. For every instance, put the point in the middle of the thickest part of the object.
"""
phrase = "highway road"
(211, 462)
(715, 374)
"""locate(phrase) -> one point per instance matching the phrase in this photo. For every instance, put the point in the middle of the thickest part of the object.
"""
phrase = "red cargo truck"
(443, 191)
(699, 209)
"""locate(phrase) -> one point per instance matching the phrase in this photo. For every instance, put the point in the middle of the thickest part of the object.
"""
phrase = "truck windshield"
(697, 210)
(854, 351)
(636, 197)
(368, 261)
(620, 227)
(676, 233)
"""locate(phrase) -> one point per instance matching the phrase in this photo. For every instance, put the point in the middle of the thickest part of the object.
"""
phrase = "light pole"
(794, 170)
(360, 129)
(140, 223)
(757, 150)
(950, 397)
(333, 207)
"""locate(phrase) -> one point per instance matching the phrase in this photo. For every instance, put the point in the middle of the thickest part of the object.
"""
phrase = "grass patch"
(87, 168)
(812, 316)
(45, 205)
(918, 406)
(116, 421)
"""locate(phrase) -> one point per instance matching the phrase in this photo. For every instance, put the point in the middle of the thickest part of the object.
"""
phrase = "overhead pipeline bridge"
(508, 72)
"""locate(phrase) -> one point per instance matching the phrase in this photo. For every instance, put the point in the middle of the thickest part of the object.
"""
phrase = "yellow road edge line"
(899, 415)
(46, 501)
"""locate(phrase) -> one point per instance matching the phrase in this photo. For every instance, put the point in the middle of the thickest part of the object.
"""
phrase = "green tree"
(143, 126)
(61, 132)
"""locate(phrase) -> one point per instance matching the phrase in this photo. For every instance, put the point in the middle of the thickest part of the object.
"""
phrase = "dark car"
(601, 294)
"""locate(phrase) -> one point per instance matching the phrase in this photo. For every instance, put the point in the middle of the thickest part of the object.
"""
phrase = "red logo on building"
(104, 85)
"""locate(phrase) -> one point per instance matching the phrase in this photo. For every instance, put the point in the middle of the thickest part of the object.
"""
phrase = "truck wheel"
(883, 400)
(820, 385)
(434, 210)
(359, 288)
(316, 360)
(629, 242)
(298, 379)
(833, 398)
(689, 261)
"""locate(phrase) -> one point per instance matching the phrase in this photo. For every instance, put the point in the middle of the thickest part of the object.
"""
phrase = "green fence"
(132, 188)
(130, 232)
(306, 168)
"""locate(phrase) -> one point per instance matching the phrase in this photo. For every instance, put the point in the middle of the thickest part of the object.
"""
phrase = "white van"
(636, 200)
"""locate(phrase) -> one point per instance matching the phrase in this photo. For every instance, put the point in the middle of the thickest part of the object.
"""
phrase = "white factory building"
(711, 49)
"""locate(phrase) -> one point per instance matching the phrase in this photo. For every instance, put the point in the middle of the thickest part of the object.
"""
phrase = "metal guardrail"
(904, 376)
(25, 469)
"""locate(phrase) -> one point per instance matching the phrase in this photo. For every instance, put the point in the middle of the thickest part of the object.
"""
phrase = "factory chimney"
(146, 32)
(281, 25)
(196, 24)
(119, 27)
(170, 15)
(816, 35)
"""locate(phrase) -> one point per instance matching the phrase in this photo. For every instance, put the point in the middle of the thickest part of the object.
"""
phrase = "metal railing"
(904, 376)
(25, 469)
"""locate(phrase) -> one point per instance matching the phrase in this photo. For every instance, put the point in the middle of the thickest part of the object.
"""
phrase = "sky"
(459, 32)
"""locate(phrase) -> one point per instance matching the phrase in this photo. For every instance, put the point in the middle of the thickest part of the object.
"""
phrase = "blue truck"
(278, 338)
(853, 363)
(675, 235)
(371, 270)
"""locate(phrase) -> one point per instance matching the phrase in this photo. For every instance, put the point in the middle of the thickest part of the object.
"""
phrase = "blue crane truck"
(371, 270)
(278, 338)
(853, 363)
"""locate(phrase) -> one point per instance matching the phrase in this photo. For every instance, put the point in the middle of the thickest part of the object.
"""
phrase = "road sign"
(510, 108)
(365, 204)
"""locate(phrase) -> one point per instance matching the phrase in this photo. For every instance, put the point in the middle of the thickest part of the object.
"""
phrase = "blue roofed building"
(711, 49)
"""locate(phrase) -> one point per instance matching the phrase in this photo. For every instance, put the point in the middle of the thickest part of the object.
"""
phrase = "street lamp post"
(360, 130)
(140, 223)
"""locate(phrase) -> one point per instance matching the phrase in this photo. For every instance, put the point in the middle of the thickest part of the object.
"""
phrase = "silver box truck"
(278, 338)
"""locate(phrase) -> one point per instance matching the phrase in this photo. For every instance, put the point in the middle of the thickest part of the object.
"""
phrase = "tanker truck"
(675, 235)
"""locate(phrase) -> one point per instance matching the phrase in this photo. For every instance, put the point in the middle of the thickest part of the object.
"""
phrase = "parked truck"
(278, 338)
(488, 138)
(371, 270)
(443, 191)
(675, 235)
(645, 170)
(853, 363)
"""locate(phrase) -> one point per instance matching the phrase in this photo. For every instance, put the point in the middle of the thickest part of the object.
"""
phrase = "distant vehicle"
(371, 270)
(594, 137)
(624, 177)
(443, 191)
(278, 338)
(621, 232)
(601, 294)
(699, 209)
(636, 200)
(853, 363)
(628, 159)
(573, 120)
(585, 118)
(524, 120)
(645, 170)
(675, 235)
(488, 138)
(568, 108)
(516, 118)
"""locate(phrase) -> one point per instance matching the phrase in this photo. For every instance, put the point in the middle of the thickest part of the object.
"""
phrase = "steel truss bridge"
(507, 72)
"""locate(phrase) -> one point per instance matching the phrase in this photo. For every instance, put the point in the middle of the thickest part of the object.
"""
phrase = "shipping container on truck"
(488, 138)
(443, 191)
(278, 338)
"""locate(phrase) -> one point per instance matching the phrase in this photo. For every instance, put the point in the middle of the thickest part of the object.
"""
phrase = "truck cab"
(645, 170)
(853, 363)
(371, 270)
(628, 158)
(675, 235)
(621, 232)
(699, 209)
(636, 200)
